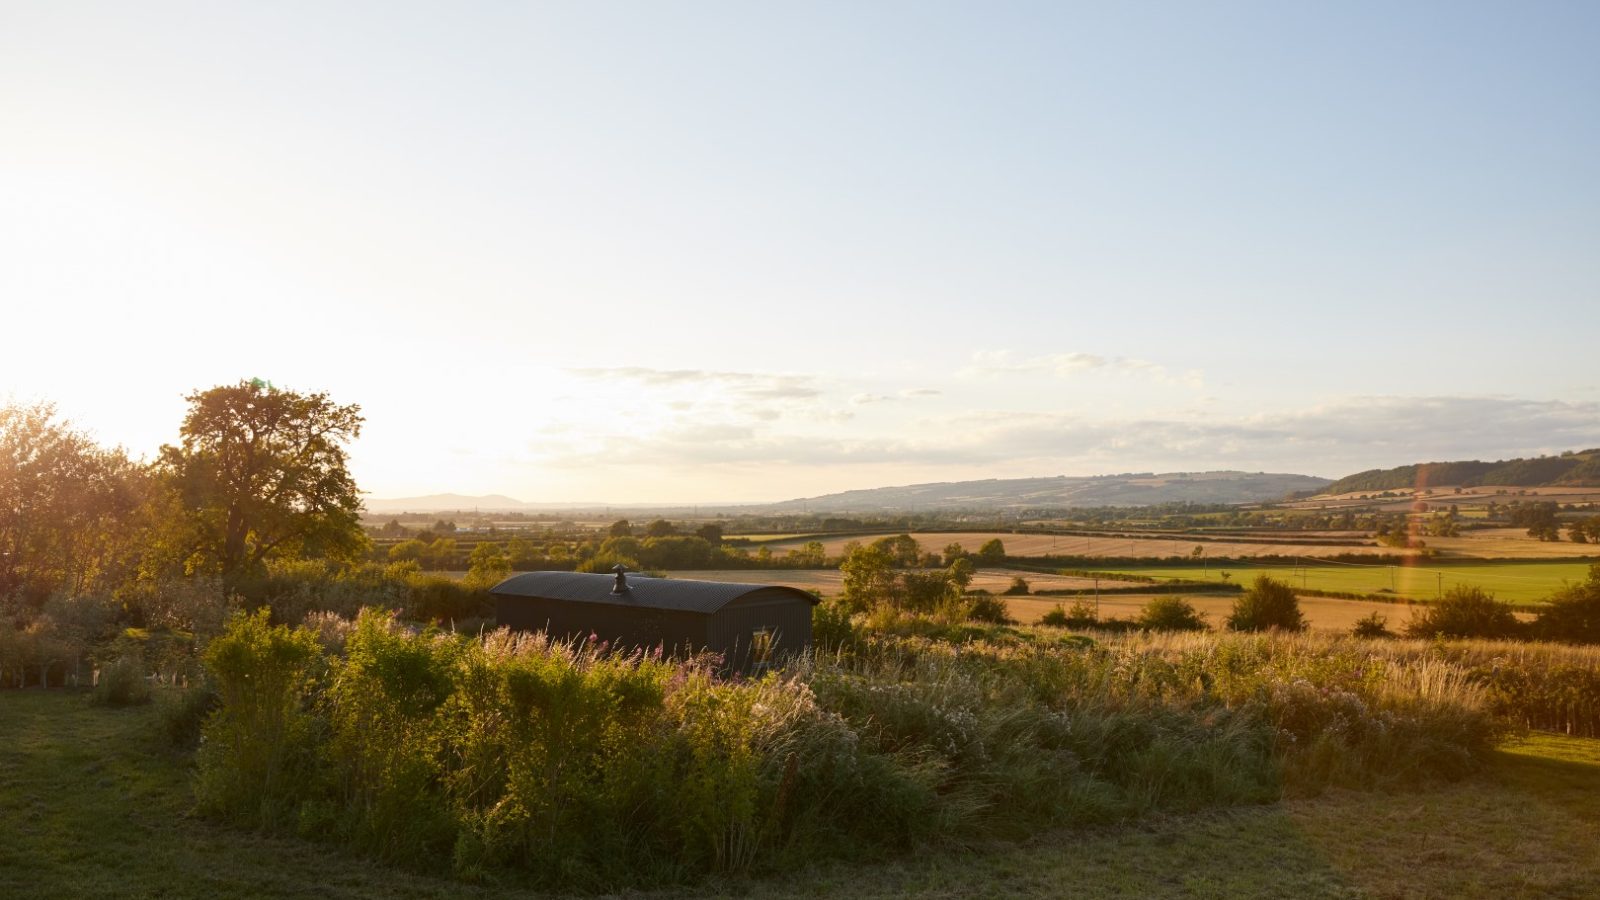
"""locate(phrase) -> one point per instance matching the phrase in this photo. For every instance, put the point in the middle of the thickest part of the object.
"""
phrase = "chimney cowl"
(621, 587)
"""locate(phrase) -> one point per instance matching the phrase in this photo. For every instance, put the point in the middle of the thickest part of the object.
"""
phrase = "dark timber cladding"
(749, 624)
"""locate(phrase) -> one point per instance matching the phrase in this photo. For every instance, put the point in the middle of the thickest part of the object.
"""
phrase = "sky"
(716, 252)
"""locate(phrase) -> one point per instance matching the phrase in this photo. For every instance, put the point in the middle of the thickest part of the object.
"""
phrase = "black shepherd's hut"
(749, 624)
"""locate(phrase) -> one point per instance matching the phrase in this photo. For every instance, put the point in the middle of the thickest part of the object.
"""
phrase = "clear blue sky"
(696, 251)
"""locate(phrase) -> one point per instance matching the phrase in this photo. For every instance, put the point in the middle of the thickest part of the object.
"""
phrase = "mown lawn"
(94, 804)
(1518, 582)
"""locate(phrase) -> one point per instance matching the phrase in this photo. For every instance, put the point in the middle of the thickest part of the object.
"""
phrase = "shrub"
(1171, 613)
(988, 608)
(1268, 605)
(1372, 626)
(1019, 585)
(258, 750)
(122, 683)
(1082, 615)
(438, 599)
(1465, 612)
(184, 714)
(1572, 614)
(831, 624)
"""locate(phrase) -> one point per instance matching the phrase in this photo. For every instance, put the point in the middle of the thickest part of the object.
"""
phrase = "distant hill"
(1580, 469)
(1143, 489)
(441, 503)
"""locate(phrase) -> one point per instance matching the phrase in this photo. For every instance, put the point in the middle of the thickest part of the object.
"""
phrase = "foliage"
(1374, 625)
(605, 564)
(984, 607)
(832, 624)
(992, 552)
(1465, 612)
(1572, 614)
(129, 831)
(1081, 615)
(490, 565)
(1056, 617)
(122, 683)
(184, 713)
(1171, 613)
(1019, 585)
(584, 769)
(903, 550)
(261, 472)
(71, 512)
(258, 752)
(869, 579)
(1267, 605)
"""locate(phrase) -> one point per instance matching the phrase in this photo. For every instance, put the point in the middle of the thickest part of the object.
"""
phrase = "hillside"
(1063, 491)
(1580, 469)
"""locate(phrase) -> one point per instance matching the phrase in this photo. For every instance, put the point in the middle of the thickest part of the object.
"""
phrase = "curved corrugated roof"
(643, 592)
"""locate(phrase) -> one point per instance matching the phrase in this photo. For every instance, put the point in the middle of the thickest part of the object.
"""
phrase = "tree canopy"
(261, 471)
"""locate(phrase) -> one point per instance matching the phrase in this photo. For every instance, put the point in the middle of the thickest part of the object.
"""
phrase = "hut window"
(760, 648)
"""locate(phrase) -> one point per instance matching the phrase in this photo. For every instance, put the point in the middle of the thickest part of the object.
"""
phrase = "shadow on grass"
(93, 803)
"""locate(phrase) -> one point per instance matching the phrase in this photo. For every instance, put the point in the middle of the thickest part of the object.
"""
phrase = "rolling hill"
(1063, 491)
(1577, 469)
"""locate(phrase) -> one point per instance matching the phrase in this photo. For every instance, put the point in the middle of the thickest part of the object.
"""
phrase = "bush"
(1019, 585)
(1171, 613)
(988, 608)
(258, 750)
(1056, 617)
(184, 714)
(1572, 614)
(1268, 605)
(831, 624)
(1465, 612)
(438, 599)
(122, 683)
(1372, 626)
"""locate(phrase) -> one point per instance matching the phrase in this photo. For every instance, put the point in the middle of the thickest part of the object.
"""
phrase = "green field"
(94, 804)
(1518, 582)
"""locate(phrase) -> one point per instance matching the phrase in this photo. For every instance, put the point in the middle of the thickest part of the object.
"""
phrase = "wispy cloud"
(1331, 439)
(991, 363)
(749, 384)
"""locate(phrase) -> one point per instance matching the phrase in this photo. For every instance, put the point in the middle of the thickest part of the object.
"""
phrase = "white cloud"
(1331, 439)
(993, 363)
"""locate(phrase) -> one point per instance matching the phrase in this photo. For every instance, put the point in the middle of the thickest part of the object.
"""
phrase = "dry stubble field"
(1075, 545)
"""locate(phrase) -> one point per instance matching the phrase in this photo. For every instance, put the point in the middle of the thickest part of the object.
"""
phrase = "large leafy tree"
(1267, 605)
(68, 507)
(262, 472)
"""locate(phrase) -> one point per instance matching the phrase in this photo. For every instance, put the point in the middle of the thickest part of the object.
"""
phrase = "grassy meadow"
(96, 802)
(1519, 582)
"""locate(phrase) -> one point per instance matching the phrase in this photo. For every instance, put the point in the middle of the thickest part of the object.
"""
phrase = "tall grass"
(567, 766)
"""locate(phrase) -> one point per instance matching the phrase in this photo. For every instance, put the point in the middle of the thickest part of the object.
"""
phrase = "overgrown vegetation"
(575, 768)
(95, 805)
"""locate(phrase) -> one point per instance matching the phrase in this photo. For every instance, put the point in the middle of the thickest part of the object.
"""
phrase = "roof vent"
(621, 587)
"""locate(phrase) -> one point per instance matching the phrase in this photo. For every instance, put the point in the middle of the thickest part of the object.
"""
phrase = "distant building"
(750, 625)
